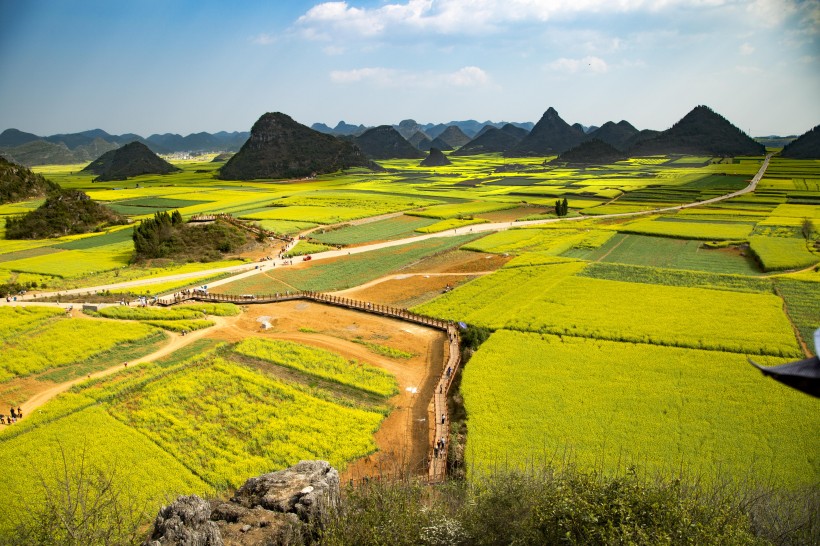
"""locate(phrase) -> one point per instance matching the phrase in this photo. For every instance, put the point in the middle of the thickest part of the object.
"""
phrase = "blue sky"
(187, 66)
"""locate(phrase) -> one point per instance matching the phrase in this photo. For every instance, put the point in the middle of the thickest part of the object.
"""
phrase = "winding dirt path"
(175, 342)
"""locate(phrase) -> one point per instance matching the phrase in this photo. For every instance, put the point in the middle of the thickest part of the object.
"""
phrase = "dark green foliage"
(700, 132)
(65, 212)
(472, 337)
(167, 236)
(20, 184)
(806, 146)
(569, 507)
(13, 288)
(279, 147)
(133, 159)
(384, 142)
(561, 207)
(591, 152)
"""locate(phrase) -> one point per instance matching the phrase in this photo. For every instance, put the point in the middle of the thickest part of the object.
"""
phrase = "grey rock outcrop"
(186, 522)
(281, 507)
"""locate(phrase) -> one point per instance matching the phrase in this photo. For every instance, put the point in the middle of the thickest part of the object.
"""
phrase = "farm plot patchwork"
(381, 230)
(75, 263)
(668, 253)
(228, 422)
(552, 240)
(320, 363)
(444, 212)
(342, 272)
(63, 342)
(688, 230)
(548, 300)
(779, 253)
(535, 399)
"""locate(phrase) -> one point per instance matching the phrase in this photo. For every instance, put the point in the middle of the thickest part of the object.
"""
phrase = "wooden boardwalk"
(438, 414)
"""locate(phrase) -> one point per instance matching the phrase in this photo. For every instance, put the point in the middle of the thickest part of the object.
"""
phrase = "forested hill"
(700, 132)
(806, 146)
(133, 159)
(18, 183)
(65, 212)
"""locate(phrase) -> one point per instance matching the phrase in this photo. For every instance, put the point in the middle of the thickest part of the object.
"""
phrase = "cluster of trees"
(168, 236)
(561, 207)
(65, 212)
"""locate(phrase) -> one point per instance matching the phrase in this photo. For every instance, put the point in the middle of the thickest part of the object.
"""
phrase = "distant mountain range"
(30, 150)
(702, 131)
(409, 127)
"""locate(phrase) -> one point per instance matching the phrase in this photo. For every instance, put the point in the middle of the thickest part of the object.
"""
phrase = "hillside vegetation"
(168, 236)
(133, 159)
(18, 183)
(65, 212)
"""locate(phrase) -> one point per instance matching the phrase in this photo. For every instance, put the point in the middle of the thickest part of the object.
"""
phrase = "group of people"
(439, 447)
(13, 416)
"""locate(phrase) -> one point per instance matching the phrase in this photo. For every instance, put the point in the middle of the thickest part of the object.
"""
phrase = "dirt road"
(175, 342)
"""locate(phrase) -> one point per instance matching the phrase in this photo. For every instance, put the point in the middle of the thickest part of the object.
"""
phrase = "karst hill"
(551, 135)
(18, 183)
(618, 135)
(435, 159)
(700, 132)
(279, 147)
(133, 159)
(492, 139)
(385, 142)
(451, 138)
(590, 152)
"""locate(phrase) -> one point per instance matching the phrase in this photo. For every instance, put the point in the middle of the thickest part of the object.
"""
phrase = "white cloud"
(469, 76)
(470, 16)
(573, 66)
(747, 49)
(263, 39)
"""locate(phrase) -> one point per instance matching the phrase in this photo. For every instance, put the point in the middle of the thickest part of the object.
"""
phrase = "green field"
(668, 253)
(608, 405)
(550, 299)
(198, 423)
(61, 342)
(380, 230)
